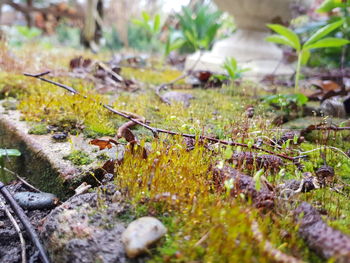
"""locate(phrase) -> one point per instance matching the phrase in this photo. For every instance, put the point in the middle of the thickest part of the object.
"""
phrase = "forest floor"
(232, 192)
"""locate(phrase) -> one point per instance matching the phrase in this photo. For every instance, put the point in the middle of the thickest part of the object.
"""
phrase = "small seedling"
(151, 25)
(287, 37)
(233, 70)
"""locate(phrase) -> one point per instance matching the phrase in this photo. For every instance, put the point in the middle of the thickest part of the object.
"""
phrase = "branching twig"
(25, 222)
(18, 230)
(155, 130)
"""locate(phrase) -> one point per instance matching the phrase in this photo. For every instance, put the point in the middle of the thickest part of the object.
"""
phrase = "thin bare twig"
(18, 230)
(155, 130)
(25, 222)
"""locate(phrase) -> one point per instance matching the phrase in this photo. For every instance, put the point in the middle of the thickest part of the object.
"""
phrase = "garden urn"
(248, 45)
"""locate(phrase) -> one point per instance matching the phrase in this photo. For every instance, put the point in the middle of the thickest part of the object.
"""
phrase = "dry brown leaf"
(122, 129)
(109, 166)
(103, 144)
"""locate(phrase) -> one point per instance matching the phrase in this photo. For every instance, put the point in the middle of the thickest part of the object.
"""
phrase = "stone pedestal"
(248, 45)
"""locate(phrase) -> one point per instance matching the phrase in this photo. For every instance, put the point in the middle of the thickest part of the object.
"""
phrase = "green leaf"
(192, 39)
(329, 42)
(329, 5)
(305, 56)
(322, 32)
(228, 153)
(257, 180)
(280, 40)
(301, 99)
(326, 6)
(288, 34)
(9, 152)
(138, 22)
(145, 16)
(156, 25)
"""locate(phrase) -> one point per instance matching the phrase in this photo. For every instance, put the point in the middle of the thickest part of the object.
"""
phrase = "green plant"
(175, 41)
(198, 28)
(21, 34)
(286, 102)
(338, 9)
(232, 68)
(151, 25)
(78, 158)
(29, 32)
(5, 153)
(329, 5)
(318, 40)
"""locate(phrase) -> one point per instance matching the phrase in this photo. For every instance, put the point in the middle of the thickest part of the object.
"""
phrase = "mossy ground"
(173, 184)
(79, 158)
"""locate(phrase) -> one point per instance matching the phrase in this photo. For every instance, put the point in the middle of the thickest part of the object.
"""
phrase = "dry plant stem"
(156, 131)
(25, 222)
(110, 71)
(327, 147)
(270, 250)
(18, 230)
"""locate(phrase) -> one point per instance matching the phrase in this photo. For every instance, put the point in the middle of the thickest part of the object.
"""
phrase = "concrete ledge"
(42, 160)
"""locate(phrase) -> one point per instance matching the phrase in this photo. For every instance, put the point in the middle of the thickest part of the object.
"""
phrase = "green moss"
(173, 184)
(151, 76)
(78, 158)
(13, 84)
(39, 129)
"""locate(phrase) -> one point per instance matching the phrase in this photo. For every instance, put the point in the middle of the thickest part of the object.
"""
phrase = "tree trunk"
(92, 31)
(27, 15)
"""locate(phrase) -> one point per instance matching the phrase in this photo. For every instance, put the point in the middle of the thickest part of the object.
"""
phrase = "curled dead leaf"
(103, 144)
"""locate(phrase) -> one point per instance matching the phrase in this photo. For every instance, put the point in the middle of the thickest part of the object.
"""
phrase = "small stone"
(60, 137)
(35, 201)
(333, 107)
(142, 233)
(108, 177)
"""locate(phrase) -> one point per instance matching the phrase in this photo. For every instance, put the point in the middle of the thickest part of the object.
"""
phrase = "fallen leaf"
(103, 144)
(109, 166)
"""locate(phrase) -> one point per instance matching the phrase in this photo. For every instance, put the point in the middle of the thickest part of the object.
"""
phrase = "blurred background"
(161, 27)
